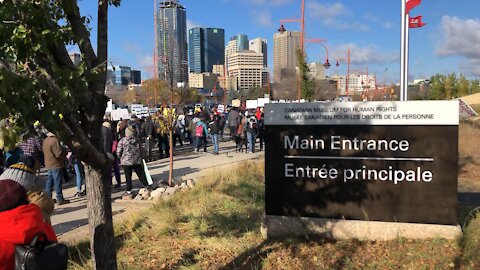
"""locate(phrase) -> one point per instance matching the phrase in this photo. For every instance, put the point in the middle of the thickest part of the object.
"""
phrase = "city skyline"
(446, 44)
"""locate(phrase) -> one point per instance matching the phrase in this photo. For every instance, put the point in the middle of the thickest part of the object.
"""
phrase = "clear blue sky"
(450, 42)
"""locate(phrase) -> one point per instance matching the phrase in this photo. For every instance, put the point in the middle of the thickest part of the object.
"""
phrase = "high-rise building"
(285, 45)
(357, 83)
(136, 76)
(237, 43)
(207, 48)
(259, 45)
(247, 67)
(119, 75)
(171, 41)
(76, 58)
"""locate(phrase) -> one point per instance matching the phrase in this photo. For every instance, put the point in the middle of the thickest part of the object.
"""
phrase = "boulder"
(171, 190)
(142, 191)
(157, 192)
(183, 185)
(139, 197)
(190, 183)
(146, 194)
(127, 197)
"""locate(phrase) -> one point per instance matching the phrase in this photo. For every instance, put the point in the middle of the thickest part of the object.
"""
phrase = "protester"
(80, 177)
(149, 131)
(201, 133)
(221, 125)
(13, 155)
(33, 147)
(54, 163)
(188, 130)
(23, 174)
(251, 131)
(130, 152)
(261, 131)
(179, 127)
(233, 121)
(214, 127)
(20, 222)
(162, 136)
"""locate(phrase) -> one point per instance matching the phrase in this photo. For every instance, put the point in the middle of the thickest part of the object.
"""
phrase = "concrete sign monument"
(390, 163)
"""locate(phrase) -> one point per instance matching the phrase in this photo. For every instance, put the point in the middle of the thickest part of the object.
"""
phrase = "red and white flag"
(416, 22)
(411, 4)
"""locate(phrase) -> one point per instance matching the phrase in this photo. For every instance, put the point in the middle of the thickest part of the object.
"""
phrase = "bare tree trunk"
(99, 207)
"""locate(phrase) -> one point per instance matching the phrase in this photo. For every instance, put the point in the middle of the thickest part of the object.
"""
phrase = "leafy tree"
(307, 84)
(255, 92)
(38, 81)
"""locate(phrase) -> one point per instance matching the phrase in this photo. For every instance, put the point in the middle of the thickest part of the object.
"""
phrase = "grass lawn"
(216, 225)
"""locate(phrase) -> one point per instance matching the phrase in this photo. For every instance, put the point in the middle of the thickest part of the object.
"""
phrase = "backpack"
(252, 123)
(199, 130)
(41, 255)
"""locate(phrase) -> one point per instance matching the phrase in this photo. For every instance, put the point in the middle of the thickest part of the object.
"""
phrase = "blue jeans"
(251, 141)
(55, 179)
(80, 174)
(215, 142)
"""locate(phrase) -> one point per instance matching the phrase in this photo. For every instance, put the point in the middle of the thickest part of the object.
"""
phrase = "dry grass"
(216, 226)
(469, 156)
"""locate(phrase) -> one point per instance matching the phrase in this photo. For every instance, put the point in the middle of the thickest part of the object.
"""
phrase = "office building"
(247, 67)
(119, 75)
(206, 80)
(136, 76)
(357, 84)
(236, 43)
(171, 41)
(285, 45)
(259, 45)
(207, 48)
(76, 58)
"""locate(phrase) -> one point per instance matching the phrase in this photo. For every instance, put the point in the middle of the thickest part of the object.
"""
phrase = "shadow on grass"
(255, 258)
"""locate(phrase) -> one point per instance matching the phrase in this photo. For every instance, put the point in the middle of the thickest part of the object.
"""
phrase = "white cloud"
(364, 55)
(144, 61)
(333, 15)
(191, 24)
(263, 18)
(461, 37)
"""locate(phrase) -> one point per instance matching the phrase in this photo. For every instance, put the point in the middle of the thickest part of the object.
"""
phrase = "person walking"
(54, 162)
(251, 129)
(79, 176)
(149, 131)
(214, 128)
(179, 127)
(130, 151)
(201, 134)
(261, 131)
(233, 121)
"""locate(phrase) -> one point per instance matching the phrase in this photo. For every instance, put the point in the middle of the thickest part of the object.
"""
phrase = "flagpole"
(402, 51)
(407, 46)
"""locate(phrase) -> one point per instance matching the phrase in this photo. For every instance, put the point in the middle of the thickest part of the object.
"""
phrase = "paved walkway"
(186, 163)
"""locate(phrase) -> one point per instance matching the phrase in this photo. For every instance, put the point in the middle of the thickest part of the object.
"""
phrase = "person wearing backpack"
(214, 128)
(261, 130)
(201, 134)
(251, 129)
(20, 223)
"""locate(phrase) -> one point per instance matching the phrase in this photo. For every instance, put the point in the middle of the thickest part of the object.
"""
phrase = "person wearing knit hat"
(20, 221)
(12, 195)
(22, 173)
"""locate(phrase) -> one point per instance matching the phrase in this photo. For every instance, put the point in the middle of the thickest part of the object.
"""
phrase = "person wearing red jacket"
(19, 222)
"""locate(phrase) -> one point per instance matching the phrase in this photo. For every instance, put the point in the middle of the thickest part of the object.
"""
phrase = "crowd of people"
(27, 206)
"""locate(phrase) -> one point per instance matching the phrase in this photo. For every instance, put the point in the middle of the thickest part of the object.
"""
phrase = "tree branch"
(82, 34)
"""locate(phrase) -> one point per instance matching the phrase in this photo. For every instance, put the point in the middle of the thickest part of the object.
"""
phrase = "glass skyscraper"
(171, 39)
(119, 75)
(207, 48)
